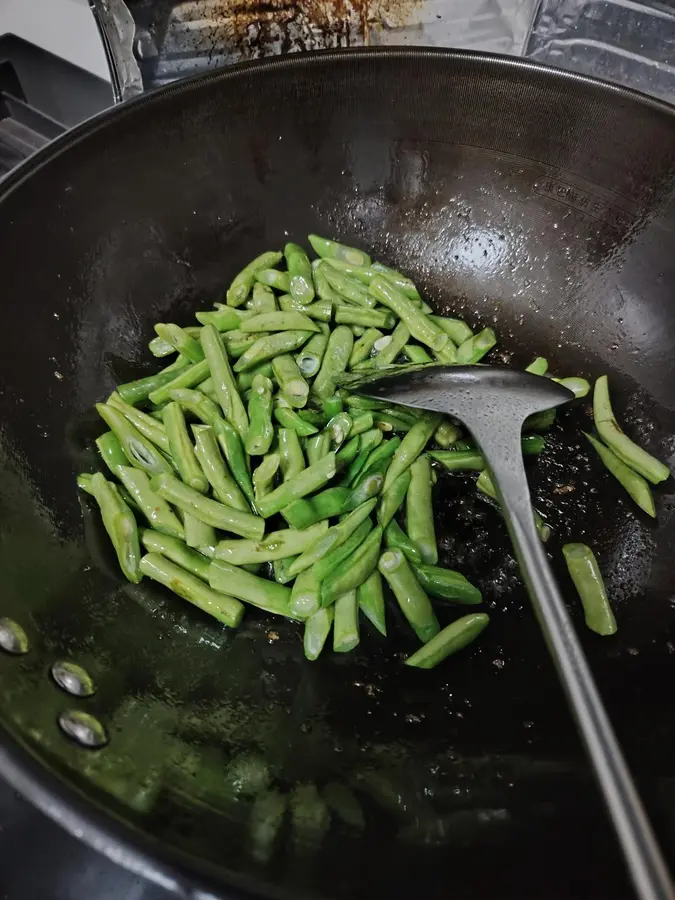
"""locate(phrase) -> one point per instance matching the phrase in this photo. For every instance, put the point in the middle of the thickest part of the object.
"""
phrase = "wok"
(513, 194)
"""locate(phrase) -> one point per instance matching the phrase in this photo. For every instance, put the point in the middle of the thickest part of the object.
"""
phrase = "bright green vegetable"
(619, 443)
(260, 433)
(224, 487)
(455, 636)
(395, 538)
(475, 348)
(270, 346)
(585, 573)
(414, 603)
(150, 428)
(392, 498)
(317, 629)
(198, 535)
(183, 378)
(419, 325)
(346, 623)
(224, 382)
(111, 452)
(290, 380)
(300, 272)
(279, 321)
(292, 460)
(264, 476)
(419, 515)
(182, 451)
(242, 284)
(223, 319)
(364, 346)
(177, 551)
(539, 366)
(260, 592)
(627, 477)
(226, 609)
(447, 584)
(140, 452)
(358, 567)
(371, 601)
(317, 446)
(305, 595)
(457, 331)
(138, 391)
(417, 354)
(302, 484)
(119, 522)
(334, 537)
(156, 510)
(335, 360)
(412, 445)
(309, 358)
(181, 341)
(210, 512)
(276, 545)
(328, 249)
(387, 354)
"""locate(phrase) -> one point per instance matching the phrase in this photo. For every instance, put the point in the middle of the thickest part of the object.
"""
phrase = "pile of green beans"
(244, 475)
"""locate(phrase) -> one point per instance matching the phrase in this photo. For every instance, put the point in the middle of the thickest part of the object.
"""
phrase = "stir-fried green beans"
(257, 480)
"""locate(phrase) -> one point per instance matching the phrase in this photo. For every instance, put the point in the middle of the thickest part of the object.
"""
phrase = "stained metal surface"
(515, 196)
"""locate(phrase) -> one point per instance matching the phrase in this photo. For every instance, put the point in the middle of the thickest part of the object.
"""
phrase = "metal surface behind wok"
(510, 192)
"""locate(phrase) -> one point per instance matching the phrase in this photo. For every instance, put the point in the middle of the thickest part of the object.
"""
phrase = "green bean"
(447, 354)
(317, 629)
(313, 416)
(236, 343)
(260, 434)
(346, 623)
(300, 272)
(412, 599)
(150, 428)
(245, 379)
(579, 386)
(273, 278)
(210, 512)
(610, 431)
(225, 488)
(223, 319)
(540, 421)
(539, 366)
(453, 637)
(182, 451)
(378, 461)
(332, 561)
(386, 356)
(177, 551)
(371, 601)
(160, 348)
(222, 607)
(292, 460)
(459, 460)
(120, 524)
(347, 289)
(198, 535)
(419, 325)
(309, 358)
(264, 476)
(317, 446)
(369, 441)
(364, 346)
(134, 392)
(260, 592)
(140, 452)
(334, 362)
(368, 318)
(585, 573)
(240, 288)
(320, 311)
(111, 452)
(305, 482)
(280, 568)
(266, 819)
(630, 480)
(280, 321)
(446, 434)
(158, 513)
(417, 354)
(348, 453)
(365, 275)
(339, 428)
(263, 299)
(328, 504)
(290, 380)
(333, 538)
(361, 422)
(305, 595)
(207, 387)
(332, 406)
(288, 418)
(356, 401)
(273, 345)
(187, 378)
(223, 380)
(419, 515)
(447, 584)
(358, 567)
(180, 340)
(388, 422)
(327, 249)
(412, 445)
(392, 498)
(475, 348)
(457, 330)
(401, 282)
(395, 538)
(277, 545)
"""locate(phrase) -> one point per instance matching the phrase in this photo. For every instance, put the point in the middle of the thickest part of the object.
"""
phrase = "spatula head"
(467, 392)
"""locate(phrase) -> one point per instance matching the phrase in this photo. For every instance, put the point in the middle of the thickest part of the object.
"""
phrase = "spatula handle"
(643, 857)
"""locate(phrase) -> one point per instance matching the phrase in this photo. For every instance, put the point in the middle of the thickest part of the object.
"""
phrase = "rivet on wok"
(73, 679)
(13, 639)
(83, 728)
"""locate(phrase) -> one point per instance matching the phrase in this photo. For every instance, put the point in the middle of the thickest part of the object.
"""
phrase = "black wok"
(513, 194)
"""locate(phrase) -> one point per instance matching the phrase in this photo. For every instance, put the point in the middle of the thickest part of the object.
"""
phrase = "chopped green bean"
(290, 380)
(242, 284)
(208, 511)
(270, 346)
(371, 601)
(585, 573)
(198, 535)
(305, 482)
(224, 382)
(447, 585)
(334, 537)
(150, 428)
(260, 592)
(156, 510)
(419, 325)
(364, 346)
(387, 355)
(419, 511)
(328, 249)
(273, 278)
(309, 358)
(392, 498)
(457, 331)
(280, 321)
(358, 567)
(119, 522)
(225, 488)
(223, 319)
(288, 418)
(317, 629)
(276, 545)
(346, 622)
(300, 272)
(369, 318)
(412, 445)
(332, 561)
(305, 595)
(395, 538)
(260, 433)
(265, 475)
(183, 378)
(292, 460)
(628, 478)
(180, 340)
(412, 599)
(475, 348)
(453, 638)
(182, 450)
(138, 391)
(317, 446)
(177, 551)
(140, 452)
(334, 362)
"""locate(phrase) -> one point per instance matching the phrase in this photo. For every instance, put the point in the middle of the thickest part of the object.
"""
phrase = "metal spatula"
(493, 404)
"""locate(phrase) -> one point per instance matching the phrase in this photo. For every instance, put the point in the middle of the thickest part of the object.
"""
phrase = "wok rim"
(62, 802)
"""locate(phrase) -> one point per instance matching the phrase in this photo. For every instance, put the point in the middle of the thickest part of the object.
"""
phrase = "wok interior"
(516, 197)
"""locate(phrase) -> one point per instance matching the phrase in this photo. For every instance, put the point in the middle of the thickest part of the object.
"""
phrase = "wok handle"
(502, 450)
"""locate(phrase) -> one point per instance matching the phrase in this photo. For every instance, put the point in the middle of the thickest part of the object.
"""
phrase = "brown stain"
(229, 30)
